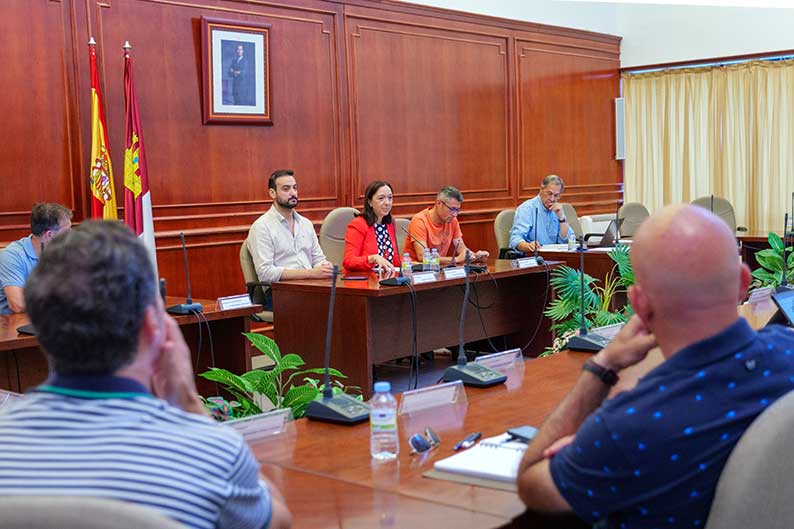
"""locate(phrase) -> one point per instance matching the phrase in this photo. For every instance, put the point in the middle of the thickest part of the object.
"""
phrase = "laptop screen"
(785, 304)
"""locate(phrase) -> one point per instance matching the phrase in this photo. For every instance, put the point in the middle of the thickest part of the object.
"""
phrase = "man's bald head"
(685, 260)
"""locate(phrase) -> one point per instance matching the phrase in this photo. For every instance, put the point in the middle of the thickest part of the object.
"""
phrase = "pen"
(468, 441)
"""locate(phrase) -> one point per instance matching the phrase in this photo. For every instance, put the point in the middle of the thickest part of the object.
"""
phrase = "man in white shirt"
(282, 243)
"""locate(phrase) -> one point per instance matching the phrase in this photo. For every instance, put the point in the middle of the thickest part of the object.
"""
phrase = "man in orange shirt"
(437, 227)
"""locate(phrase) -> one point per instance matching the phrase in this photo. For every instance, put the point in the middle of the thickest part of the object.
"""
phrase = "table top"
(533, 389)
(497, 269)
(11, 339)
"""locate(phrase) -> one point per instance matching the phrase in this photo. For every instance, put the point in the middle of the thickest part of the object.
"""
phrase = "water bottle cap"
(382, 387)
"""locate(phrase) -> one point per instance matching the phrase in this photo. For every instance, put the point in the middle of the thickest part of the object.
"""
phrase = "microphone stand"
(327, 407)
(538, 258)
(588, 342)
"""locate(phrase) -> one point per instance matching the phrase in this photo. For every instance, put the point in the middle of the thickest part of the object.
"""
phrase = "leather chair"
(400, 230)
(632, 213)
(332, 233)
(722, 208)
(501, 230)
(755, 488)
(257, 290)
(79, 512)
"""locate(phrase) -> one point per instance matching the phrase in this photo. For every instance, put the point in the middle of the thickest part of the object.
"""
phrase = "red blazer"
(360, 243)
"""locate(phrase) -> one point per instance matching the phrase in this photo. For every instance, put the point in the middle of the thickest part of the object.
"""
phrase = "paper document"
(493, 458)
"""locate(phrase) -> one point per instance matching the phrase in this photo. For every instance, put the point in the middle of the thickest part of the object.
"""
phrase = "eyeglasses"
(452, 210)
(552, 194)
(422, 443)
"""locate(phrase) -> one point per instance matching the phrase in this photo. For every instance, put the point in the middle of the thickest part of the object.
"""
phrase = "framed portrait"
(236, 71)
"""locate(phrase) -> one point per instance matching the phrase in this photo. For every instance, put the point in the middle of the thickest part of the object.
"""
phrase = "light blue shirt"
(17, 261)
(548, 229)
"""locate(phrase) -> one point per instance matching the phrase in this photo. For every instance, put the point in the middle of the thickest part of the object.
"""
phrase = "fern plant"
(566, 308)
(283, 386)
(770, 272)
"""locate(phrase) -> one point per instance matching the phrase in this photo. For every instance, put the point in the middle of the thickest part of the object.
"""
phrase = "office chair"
(573, 219)
(79, 512)
(632, 213)
(501, 230)
(755, 488)
(332, 233)
(257, 290)
(722, 208)
(400, 228)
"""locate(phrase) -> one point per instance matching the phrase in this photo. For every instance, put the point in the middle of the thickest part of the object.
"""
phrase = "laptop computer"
(785, 308)
(610, 236)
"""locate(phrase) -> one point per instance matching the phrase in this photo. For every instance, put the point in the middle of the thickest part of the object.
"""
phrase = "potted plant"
(566, 308)
(283, 386)
(770, 271)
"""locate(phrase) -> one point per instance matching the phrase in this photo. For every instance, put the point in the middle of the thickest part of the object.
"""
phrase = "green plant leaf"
(316, 370)
(566, 283)
(562, 308)
(229, 379)
(298, 397)
(259, 379)
(766, 277)
(775, 242)
(770, 260)
(265, 345)
(604, 318)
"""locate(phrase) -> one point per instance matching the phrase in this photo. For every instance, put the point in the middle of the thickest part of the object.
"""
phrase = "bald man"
(651, 456)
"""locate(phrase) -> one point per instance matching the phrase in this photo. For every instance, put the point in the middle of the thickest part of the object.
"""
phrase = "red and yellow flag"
(100, 175)
(137, 198)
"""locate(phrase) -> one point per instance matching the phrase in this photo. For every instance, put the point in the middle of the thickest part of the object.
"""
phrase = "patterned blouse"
(385, 248)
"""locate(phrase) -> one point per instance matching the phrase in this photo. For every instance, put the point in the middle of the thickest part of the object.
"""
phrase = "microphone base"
(395, 281)
(475, 375)
(339, 409)
(589, 343)
(185, 308)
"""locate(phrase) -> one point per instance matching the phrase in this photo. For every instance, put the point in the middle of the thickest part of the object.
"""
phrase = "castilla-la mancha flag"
(137, 198)
(100, 175)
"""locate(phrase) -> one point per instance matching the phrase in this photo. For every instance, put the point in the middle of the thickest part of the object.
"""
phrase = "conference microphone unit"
(587, 342)
(538, 258)
(784, 284)
(188, 307)
(470, 373)
(327, 407)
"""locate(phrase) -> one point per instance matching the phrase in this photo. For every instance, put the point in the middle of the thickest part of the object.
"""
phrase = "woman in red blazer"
(370, 239)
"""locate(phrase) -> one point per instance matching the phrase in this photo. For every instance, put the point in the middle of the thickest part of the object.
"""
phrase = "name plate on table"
(761, 294)
(423, 277)
(458, 272)
(438, 395)
(263, 425)
(524, 262)
(500, 361)
(234, 302)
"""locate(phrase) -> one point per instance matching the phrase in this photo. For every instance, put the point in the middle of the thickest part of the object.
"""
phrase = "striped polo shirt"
(109, 437)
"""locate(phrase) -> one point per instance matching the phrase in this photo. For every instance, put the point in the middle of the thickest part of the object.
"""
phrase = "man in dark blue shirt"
(652, 456)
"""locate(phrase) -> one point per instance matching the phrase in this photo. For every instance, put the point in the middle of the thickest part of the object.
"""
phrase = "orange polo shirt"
(432, 235)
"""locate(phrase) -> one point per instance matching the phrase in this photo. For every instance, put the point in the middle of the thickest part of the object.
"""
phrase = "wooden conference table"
(20, 353)
(373, 323)
(329, 481)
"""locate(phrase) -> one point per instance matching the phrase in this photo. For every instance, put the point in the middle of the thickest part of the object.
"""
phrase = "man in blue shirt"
(119, 416)
(552, 226)
(18, 258)
(651, 456)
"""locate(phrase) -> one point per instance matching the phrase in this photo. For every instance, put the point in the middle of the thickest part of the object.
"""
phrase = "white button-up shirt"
(274, 247)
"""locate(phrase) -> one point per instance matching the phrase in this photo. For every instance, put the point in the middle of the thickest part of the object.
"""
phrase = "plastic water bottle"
(436, 260)
(384, 443)
(571, 240)
(426, 261)
(406, 265)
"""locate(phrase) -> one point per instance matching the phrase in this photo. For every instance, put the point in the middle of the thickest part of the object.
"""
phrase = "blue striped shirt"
(117, 441)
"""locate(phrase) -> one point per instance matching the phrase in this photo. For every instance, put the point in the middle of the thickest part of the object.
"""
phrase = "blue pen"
(468, 441)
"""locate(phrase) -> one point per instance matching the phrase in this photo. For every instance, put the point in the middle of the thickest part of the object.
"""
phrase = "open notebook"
(494, 458)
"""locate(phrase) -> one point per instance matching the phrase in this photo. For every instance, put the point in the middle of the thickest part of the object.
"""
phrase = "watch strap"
(607, 376)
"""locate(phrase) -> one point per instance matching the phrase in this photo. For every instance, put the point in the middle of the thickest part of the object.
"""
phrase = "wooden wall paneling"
(429, 106)
(566, 119)
(39, 128)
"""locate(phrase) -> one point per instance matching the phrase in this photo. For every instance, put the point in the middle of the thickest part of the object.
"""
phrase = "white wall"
(653, 34)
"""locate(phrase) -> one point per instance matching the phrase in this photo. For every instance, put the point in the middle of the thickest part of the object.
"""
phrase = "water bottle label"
(383, 420)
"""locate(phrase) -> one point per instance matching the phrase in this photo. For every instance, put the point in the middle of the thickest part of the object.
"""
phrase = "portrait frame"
(235, 59)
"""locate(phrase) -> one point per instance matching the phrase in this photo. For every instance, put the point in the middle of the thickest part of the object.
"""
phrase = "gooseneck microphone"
(188, 307)
(470, 373)
(538, 258)
(784, 286)
(586, 341)
(413, 238)
(327, 407)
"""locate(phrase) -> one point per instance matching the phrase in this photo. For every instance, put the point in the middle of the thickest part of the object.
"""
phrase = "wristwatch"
(607, 376)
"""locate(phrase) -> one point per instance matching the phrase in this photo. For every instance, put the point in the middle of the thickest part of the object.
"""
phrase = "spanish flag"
(137, 198)
(100, 175)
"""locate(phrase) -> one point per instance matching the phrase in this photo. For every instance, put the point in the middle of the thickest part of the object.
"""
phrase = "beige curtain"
(727, 131)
